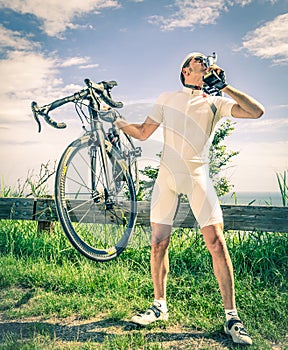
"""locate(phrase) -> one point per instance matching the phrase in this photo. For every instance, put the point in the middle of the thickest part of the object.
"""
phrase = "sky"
(48, 48)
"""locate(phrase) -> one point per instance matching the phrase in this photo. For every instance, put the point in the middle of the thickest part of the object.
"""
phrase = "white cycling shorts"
(192, 180)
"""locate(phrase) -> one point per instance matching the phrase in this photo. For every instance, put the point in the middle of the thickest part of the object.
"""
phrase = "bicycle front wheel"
(96, 207)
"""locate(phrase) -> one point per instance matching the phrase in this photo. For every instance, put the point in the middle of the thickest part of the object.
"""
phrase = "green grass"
(43, 278)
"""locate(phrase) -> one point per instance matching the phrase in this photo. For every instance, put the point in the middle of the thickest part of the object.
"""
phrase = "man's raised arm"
(246, 106)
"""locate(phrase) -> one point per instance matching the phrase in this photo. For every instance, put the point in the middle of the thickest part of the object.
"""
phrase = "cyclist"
(189, 118)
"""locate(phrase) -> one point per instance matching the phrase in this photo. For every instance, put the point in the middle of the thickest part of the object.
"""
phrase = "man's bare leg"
(159, 270)
(159, 258)
(223, 269)
(222, 265)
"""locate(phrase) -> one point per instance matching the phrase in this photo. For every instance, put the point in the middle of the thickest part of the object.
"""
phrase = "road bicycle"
(97, 175)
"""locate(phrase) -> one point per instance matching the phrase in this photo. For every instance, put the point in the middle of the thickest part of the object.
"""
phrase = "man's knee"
(160, 236)
(217, 247)
(214, 239)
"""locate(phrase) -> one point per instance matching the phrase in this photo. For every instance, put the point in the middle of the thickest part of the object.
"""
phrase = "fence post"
(45, 214)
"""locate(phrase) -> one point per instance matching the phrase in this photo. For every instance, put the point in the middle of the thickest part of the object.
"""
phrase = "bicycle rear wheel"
(97, 219)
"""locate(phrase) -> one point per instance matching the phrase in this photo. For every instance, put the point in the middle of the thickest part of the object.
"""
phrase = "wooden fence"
(236, 217)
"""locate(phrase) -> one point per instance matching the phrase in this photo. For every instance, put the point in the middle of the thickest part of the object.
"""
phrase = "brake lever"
(101, 89)
(44, 112)
(35, 110)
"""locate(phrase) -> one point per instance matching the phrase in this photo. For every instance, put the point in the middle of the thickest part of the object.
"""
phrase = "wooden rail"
(236, 217)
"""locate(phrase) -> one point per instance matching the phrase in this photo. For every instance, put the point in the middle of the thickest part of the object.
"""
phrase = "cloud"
(74, 61)
(268, 126)
(190, 13)
(280, 107)
(57, 15)
(25, 71)
(269, 41)
(25, 76)
(28, 74)
(71, 88)
(89, 66)
(10, 39)
(82, 62)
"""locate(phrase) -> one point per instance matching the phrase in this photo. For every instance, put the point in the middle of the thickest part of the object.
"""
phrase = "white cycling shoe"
(236, 330)
(149, 316)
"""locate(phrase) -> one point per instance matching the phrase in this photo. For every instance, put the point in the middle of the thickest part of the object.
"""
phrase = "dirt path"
(72, 331)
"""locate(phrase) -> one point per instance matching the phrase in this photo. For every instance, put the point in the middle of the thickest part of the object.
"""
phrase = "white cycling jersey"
(189, 118)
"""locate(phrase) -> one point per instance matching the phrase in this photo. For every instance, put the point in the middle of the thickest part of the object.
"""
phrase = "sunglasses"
(199, 58)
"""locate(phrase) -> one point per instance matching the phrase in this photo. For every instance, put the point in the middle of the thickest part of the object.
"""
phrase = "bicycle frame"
(98, 133)
(95, 93)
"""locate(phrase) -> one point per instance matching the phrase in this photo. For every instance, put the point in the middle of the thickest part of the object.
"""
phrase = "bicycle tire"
(99, 225)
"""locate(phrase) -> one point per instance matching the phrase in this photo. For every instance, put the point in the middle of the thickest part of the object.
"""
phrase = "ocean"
(258, 198)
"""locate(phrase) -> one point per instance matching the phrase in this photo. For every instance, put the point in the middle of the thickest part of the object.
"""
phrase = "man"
(189, 117)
